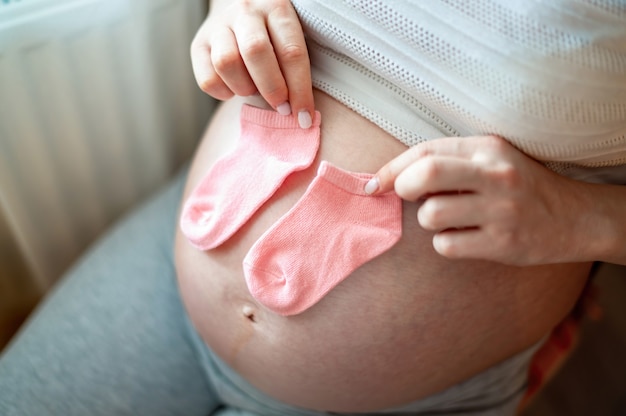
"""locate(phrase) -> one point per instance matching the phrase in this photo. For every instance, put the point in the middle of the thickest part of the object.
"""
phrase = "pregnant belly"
(405, 325)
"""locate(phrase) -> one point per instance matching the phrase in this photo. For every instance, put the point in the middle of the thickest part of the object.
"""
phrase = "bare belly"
(403, 326)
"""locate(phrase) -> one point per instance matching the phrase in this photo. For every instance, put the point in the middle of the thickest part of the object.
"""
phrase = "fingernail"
(371, 186)
(304, 119)
(284, 109)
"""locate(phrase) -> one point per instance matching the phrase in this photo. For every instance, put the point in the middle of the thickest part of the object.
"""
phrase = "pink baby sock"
(270, 148)
(332, 230)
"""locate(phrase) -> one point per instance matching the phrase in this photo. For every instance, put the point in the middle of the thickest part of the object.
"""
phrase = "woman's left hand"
(484, 199)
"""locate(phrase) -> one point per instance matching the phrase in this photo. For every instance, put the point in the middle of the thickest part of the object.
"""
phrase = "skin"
(411, 317)
(483, 210)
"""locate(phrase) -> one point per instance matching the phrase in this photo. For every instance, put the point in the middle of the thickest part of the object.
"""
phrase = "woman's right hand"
(247, 47)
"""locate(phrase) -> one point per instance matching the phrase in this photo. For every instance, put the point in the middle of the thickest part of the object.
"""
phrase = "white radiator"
(98, 107)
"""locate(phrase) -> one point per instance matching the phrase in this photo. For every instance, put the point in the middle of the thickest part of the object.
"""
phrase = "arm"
(484, 199)
(245, 47)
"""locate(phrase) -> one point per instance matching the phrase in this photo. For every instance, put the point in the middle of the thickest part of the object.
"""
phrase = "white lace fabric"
(547, 75)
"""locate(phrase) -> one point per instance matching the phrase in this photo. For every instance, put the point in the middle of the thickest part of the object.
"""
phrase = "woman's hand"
(246, 47)
(484, 199)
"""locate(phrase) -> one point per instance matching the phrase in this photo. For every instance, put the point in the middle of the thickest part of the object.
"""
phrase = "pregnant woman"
(445, 144)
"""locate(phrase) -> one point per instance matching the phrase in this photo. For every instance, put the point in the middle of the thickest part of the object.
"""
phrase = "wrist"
(603, 223)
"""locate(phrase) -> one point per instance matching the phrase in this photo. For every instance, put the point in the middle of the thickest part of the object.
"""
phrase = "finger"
(435, 175)
(260, 60)
(469, 243)
(386, 176)
(445, 211)
(208, 80)
(460, 147)
(229, 65)
(291, 51)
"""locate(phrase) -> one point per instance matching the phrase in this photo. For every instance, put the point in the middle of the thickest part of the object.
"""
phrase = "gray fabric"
(110, 339)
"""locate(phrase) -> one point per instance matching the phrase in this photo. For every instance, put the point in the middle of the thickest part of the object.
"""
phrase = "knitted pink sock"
(332, 230)
(270, 148)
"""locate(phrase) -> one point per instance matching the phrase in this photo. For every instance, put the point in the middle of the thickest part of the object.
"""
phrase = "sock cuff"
(352, 182)
(270, 118)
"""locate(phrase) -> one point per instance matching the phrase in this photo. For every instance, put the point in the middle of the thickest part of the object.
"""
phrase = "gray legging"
(113, 339)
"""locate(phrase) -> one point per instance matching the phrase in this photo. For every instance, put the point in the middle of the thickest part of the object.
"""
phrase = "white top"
(547, 75)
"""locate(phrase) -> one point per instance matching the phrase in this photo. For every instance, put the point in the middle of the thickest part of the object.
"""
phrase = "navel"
(249, 313)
